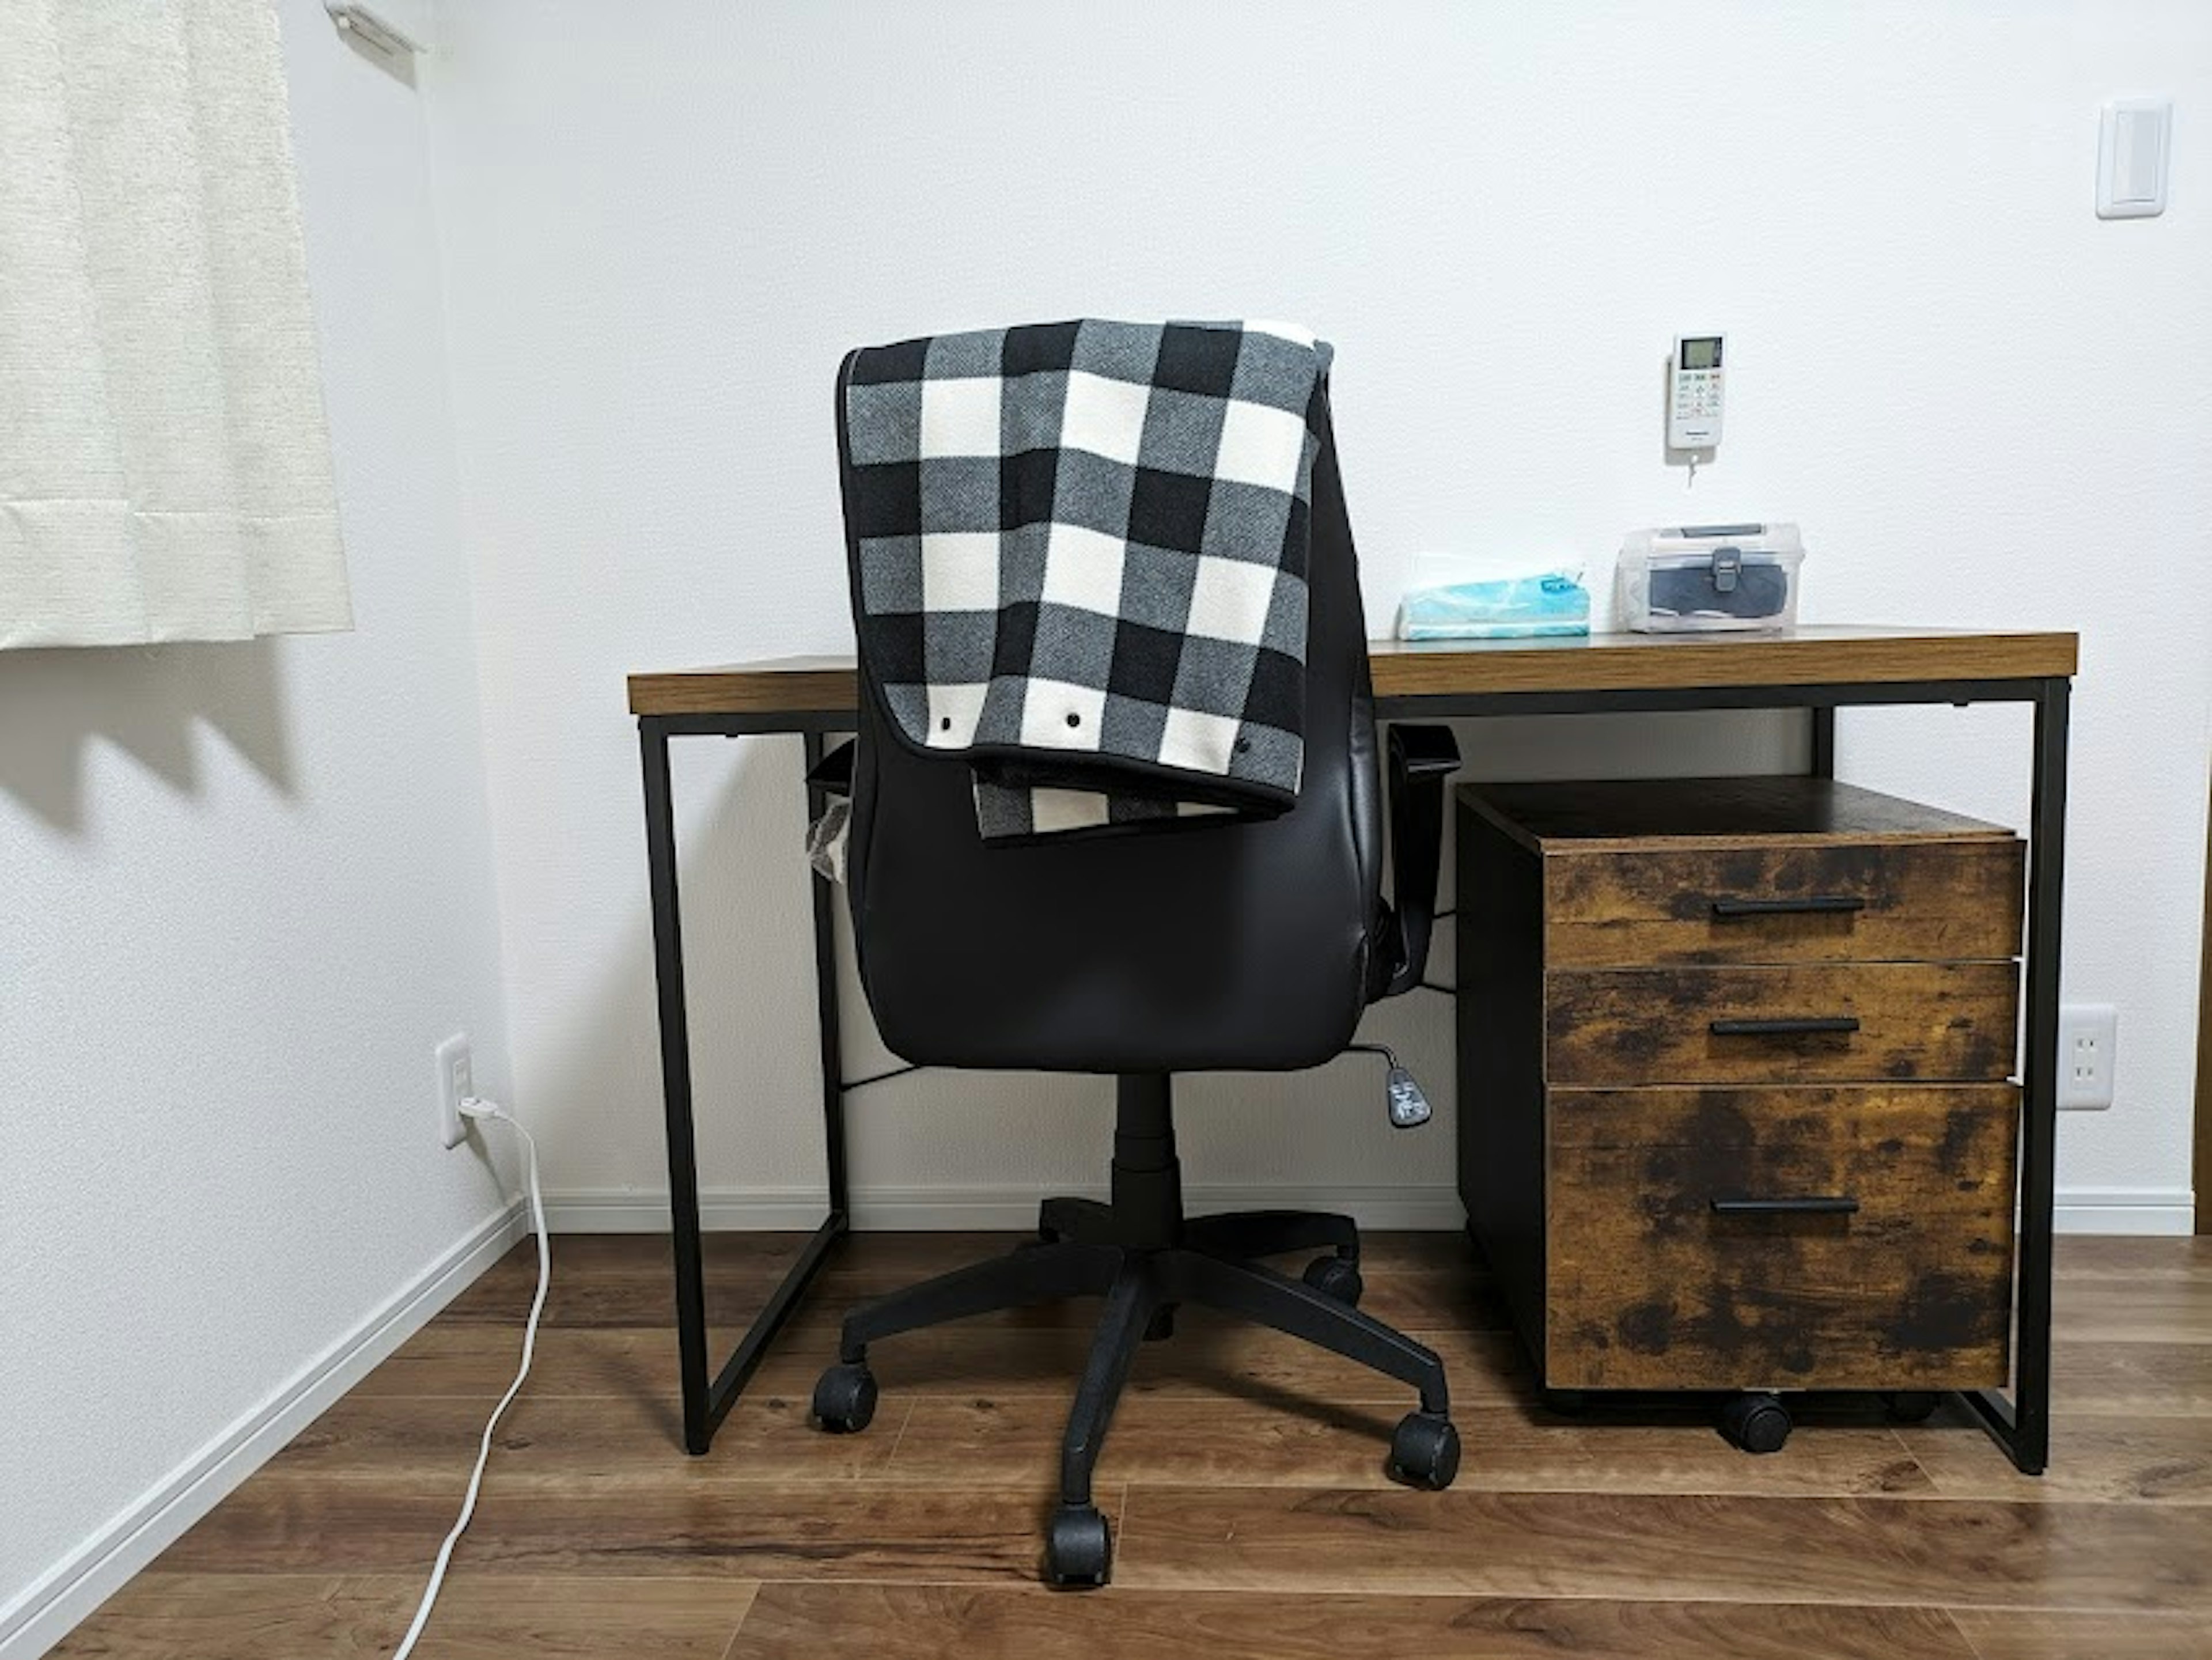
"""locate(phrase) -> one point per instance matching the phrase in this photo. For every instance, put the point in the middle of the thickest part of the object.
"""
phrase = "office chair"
(1247, 945)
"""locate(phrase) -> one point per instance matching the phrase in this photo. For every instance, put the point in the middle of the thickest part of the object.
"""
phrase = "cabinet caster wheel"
(1161, 1326)
(1567, 1403)
(1424, 1451)
(1757, 1423)
(1911, 1406)
(1337, 1277)
(1079, 1549)
(845, 1398)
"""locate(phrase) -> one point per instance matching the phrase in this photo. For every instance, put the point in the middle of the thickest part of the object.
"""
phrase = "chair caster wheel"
(1566, 1403)
(1424, 1451)
(845, 1398)
(1337, 1277)
(1079, 1549)
(1756, 1423)
(1911, 1406)
(1161, 1326)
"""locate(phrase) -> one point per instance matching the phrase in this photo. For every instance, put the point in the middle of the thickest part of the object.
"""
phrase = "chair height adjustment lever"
(1408, 1105)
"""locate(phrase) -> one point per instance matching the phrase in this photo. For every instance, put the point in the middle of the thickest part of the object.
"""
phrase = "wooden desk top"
(1443, 668)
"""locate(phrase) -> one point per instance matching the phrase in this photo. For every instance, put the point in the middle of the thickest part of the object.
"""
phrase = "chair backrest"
(1245, 945)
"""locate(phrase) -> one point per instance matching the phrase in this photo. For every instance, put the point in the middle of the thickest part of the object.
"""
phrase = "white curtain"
(165, 469)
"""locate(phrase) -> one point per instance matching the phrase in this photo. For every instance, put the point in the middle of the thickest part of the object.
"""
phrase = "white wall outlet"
(456, 1082)
(2088, 1048)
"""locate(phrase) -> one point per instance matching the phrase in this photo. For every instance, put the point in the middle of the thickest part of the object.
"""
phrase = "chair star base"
(1141, 1257)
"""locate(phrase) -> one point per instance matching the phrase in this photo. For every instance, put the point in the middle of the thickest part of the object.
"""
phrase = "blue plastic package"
(1510, 608)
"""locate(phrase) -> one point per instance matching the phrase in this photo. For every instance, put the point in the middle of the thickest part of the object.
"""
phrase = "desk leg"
(825, 1002)
(2023, 1423)
(1824, 740)
(675, 1086)
(706, 1400)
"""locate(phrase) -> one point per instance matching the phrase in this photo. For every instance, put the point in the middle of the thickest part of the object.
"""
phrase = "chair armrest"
(1422, 758)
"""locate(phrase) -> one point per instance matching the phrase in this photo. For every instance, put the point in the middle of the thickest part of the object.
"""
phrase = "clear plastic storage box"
(1709, 579)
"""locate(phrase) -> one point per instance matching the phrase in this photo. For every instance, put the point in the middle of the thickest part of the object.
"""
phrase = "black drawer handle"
(1840, 1204)
(1729, 911)
(1788, 1026)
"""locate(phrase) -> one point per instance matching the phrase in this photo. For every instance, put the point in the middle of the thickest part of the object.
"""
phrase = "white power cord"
(473, 1107)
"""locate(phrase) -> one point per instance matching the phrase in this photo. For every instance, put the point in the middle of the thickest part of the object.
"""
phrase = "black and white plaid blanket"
(1082, 560)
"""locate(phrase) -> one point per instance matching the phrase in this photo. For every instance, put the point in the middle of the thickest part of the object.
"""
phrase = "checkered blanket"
(1081, 561)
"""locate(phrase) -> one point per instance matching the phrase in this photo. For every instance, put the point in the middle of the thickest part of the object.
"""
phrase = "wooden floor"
(1244, 1478)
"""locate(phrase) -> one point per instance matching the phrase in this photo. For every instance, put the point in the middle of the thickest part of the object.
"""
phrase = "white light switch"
(2132, 145)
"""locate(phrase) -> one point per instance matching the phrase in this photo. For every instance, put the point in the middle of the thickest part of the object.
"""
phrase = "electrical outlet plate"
(456, 1082)
(2088, 1048)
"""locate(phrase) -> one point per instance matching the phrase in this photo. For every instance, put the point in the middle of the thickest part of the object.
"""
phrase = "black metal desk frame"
(2021, 1422)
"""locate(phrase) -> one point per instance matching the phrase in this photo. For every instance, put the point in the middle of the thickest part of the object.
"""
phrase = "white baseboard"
(798, 1209)
(59, 1599)
(2080, 1210)
(2126, 1210)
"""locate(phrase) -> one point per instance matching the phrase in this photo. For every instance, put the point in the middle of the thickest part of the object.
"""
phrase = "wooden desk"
(1432, 669)
(1815, 669)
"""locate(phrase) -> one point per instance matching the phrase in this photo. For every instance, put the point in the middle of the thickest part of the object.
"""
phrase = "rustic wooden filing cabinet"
(1735, 1101)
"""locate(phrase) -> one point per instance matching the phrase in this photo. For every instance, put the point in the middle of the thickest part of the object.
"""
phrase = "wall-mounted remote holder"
(1694, 393)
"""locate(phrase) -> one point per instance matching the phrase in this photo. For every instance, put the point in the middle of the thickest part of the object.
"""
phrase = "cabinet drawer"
(1931, 901)
(1651, 1287)
(1804, 1024)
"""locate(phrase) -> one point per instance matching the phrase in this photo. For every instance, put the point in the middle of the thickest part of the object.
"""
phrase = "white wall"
(664, 224)
(247, 888)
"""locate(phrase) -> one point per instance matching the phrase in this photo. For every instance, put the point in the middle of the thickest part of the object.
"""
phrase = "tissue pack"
(1496, 608)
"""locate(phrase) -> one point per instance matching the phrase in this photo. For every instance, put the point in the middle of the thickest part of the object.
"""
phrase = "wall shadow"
(57, 704)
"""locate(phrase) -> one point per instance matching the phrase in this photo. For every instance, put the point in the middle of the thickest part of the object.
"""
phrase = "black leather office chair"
(1251, 945)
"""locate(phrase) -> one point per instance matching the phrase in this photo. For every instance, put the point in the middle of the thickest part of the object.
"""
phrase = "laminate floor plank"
(1209, 1355)
(1469, 1303)
(968, 1438)
(2124, 1459)
(721, 1530)
(231, 1616)
(2120, 1256)
(935, 1622)
(2159, 1379)
(1289, 1441)
(1857, 1550)
(623, 1279)
(555, 1440)
(2154, 1308)
(479, 1361)
(2009, 1634)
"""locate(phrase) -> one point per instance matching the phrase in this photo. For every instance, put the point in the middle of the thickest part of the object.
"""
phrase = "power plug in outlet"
(2088, 1048)
(456, 1083)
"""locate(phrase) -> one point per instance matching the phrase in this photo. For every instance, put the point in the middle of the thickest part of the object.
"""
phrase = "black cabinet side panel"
(1501, 1062)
